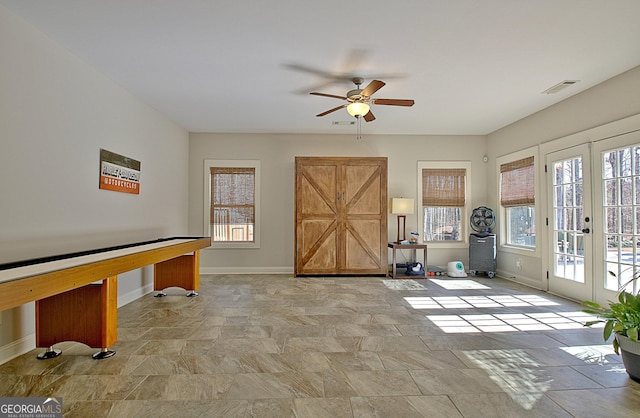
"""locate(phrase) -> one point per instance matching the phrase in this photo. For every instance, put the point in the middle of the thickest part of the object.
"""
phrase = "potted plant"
(622, 319)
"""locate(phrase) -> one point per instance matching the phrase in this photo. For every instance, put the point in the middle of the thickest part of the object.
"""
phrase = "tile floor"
(278, 346)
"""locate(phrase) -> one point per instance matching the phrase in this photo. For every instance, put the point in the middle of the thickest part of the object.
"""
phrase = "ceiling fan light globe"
(358, 109)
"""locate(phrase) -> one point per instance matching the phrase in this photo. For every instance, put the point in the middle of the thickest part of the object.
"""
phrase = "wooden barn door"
(341, 216)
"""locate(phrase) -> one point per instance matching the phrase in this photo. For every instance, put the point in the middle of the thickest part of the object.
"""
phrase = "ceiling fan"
(359, 100)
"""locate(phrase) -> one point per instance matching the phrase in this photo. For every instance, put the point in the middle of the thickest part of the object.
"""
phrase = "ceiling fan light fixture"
(358, 109)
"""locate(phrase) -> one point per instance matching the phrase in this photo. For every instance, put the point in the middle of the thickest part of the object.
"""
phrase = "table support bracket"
(104, 353)
(50, 353)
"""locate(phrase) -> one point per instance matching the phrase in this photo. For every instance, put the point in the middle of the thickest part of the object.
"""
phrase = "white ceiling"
(472, 66)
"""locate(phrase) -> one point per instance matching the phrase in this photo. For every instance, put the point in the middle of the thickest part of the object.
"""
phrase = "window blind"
(233, 193)
(443, 187)
(517, 183)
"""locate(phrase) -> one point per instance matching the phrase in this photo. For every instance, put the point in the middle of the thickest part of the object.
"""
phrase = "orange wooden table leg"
(183, 271)
(88, 315)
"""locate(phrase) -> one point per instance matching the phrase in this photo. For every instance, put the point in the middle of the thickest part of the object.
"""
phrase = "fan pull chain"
(359, 128)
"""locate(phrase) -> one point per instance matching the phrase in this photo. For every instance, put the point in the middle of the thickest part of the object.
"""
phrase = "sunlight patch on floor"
(496, 301)
(399, 284)
(592, 354)
(452, 284)
(546, 321)
(522, 377)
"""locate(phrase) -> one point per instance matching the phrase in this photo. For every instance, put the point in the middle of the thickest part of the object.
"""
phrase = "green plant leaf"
(592, 305)
(608, 329)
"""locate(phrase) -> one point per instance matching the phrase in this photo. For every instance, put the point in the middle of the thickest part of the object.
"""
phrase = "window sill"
(233, 245)
(445, 244)
(527, 251)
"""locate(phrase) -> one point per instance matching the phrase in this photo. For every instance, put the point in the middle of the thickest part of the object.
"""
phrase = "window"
(517, 197)
(232, 202)
(443, 193)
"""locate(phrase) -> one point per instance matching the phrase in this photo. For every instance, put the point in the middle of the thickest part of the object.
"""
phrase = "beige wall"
(277, 153)
(613, 100)
(55, 115)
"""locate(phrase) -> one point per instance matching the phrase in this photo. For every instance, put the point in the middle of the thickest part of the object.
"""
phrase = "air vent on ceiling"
(560, 86)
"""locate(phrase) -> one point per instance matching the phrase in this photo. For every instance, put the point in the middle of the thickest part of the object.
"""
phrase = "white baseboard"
(246, 270)
(134, 294)
(525, 281)
(17, 348)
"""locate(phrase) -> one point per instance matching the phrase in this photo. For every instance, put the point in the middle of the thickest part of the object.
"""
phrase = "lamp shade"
(358, 109)
(401, 206)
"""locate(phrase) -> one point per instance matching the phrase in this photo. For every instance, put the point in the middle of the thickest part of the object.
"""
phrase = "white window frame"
(466, 165)
(207, 201)
(501, 213)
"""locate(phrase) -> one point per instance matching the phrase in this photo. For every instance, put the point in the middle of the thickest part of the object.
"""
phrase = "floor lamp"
(401, 207)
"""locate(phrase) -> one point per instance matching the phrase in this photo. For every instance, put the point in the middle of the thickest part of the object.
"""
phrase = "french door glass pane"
(610, 188)
(625, 191)
(611, 215)
(626, 220)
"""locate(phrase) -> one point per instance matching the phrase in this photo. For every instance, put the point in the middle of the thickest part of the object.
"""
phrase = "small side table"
(395, 246)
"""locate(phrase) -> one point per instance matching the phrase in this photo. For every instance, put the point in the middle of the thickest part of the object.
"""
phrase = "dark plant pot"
(630, 352)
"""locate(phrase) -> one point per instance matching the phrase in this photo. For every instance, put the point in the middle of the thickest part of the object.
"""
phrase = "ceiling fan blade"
(352, 63)
(374, 86)
(315, 93)
(369, 117)
(315, 71)
(316, 87)
(331, 110)
(393, 102)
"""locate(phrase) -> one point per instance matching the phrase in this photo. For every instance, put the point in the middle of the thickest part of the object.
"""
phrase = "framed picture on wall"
(119, 173)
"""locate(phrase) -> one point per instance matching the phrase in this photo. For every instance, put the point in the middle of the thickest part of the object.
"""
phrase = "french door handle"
(586, 230)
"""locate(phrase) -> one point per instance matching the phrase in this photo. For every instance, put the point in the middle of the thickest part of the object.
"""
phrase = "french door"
(594, 221)
(618, 189)
(570, 223)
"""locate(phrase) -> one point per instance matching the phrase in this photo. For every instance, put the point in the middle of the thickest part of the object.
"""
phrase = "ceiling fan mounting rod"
(355, 95)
